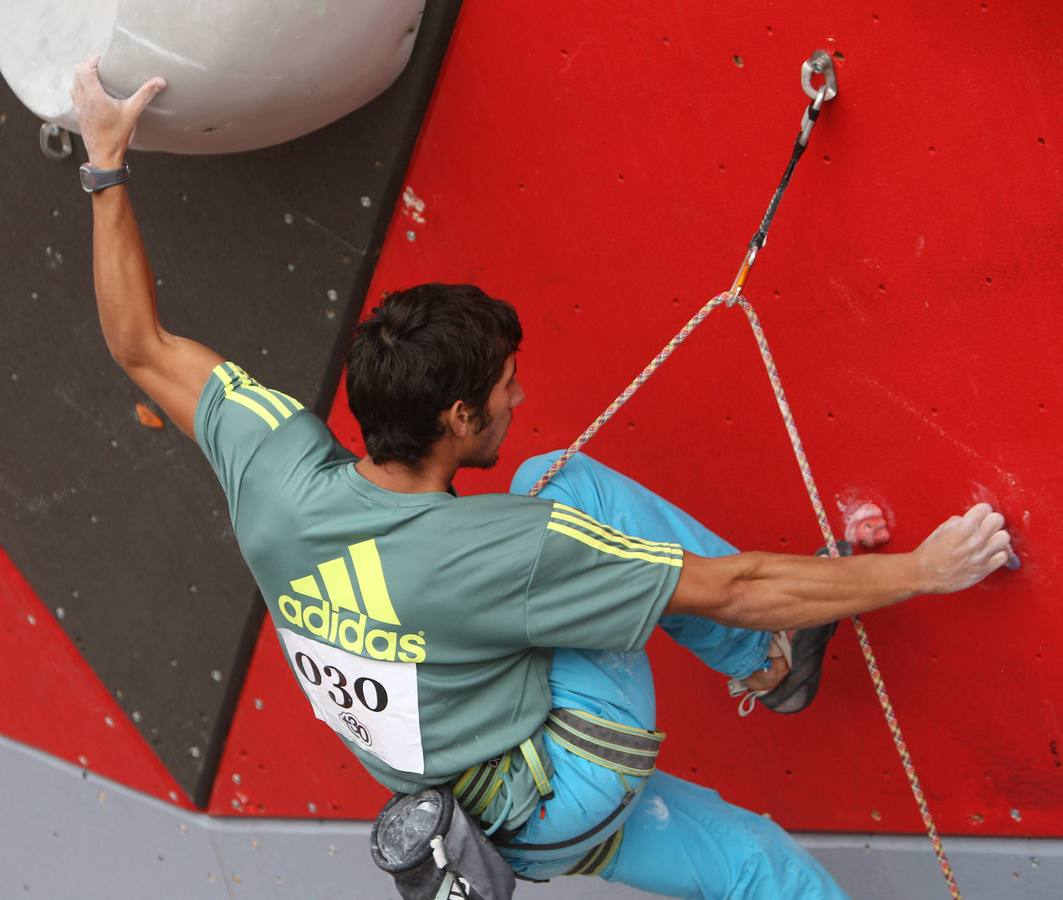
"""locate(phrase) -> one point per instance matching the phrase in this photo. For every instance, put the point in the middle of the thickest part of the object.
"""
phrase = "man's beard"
(485, 458)
(485, 461)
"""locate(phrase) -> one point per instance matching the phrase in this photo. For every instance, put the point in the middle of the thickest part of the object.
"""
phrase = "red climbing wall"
(603, 167)
(51, 700)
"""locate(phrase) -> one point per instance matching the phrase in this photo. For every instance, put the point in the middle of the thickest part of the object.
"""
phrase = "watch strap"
(94, 180)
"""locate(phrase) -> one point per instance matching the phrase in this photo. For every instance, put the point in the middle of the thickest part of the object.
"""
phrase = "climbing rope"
(861, 632)
(818, 63)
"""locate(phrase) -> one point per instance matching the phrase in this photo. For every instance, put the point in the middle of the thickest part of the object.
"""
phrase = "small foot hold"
(844, 549)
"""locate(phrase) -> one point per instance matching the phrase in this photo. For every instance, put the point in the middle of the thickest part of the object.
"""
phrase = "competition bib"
(368, 701)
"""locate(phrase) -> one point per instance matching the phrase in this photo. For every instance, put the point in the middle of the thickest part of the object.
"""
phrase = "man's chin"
(483, 463)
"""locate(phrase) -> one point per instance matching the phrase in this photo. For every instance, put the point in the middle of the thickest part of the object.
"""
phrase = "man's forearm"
(771, 591)
(778, 591)
(125, 288)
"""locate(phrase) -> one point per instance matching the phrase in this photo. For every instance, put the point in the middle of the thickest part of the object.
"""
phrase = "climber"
(496, 642)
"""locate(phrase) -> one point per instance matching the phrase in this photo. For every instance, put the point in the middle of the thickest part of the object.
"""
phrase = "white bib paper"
(368, 701)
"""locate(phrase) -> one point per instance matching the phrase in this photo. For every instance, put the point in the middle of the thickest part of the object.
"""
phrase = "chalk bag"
(434, 851)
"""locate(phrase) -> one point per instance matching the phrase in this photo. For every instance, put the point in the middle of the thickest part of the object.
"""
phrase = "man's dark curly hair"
(420, 351)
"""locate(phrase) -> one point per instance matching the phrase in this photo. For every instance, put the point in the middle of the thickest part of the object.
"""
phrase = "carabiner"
(819, 63)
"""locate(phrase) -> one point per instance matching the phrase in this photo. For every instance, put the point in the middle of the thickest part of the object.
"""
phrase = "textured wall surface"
(604, 170)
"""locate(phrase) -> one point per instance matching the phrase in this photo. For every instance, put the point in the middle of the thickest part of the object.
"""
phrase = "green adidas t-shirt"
(420, 626)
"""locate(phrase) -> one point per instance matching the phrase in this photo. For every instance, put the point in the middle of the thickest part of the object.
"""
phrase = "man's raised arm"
(170, 369)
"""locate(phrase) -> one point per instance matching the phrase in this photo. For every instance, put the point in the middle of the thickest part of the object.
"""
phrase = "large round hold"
(242, 74)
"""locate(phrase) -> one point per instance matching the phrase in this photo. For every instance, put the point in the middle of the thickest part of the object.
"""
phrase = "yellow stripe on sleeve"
(579, 513)
(241, 375)
(295, 403)
(274, 396)
(257, 408)
(223, 375)
(611, 534)
(238, 378)
(595, 544)
(275, 401)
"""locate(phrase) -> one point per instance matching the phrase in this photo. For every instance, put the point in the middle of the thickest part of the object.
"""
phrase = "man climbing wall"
(497, 628)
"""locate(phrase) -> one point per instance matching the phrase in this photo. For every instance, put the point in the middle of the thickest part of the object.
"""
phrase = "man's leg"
(617, 500)
(615, 686)
(683, 840)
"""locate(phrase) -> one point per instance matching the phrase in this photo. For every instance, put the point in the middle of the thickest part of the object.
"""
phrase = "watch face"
(88, 179)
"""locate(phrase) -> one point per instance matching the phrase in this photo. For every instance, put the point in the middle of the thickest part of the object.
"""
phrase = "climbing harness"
(476, 789)
(441, 844)
(628, 751)
(819, 63)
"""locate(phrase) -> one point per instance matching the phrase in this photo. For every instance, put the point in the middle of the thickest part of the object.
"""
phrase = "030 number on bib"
(367, 701)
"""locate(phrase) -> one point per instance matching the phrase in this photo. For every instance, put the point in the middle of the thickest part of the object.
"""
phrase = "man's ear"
(457, 418)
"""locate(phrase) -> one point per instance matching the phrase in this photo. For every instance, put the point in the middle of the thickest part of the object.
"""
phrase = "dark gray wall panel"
(264, 256)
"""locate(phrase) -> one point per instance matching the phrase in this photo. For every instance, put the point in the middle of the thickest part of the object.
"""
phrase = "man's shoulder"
(518, 505)
(303, 448)
(490, 518)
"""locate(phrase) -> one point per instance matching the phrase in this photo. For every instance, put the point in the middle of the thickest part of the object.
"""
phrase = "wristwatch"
(94, 180)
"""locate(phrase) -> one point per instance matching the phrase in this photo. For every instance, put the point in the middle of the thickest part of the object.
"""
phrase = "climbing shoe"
(803, 651)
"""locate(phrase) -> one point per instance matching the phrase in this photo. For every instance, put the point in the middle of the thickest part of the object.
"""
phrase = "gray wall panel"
(69, 835)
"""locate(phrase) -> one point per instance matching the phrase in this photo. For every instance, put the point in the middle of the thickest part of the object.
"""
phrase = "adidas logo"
(327, 605)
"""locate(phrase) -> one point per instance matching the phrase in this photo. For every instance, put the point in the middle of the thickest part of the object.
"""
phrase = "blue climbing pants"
(680, 839)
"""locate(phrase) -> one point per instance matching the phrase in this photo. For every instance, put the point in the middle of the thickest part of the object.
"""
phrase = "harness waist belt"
(624, 749)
